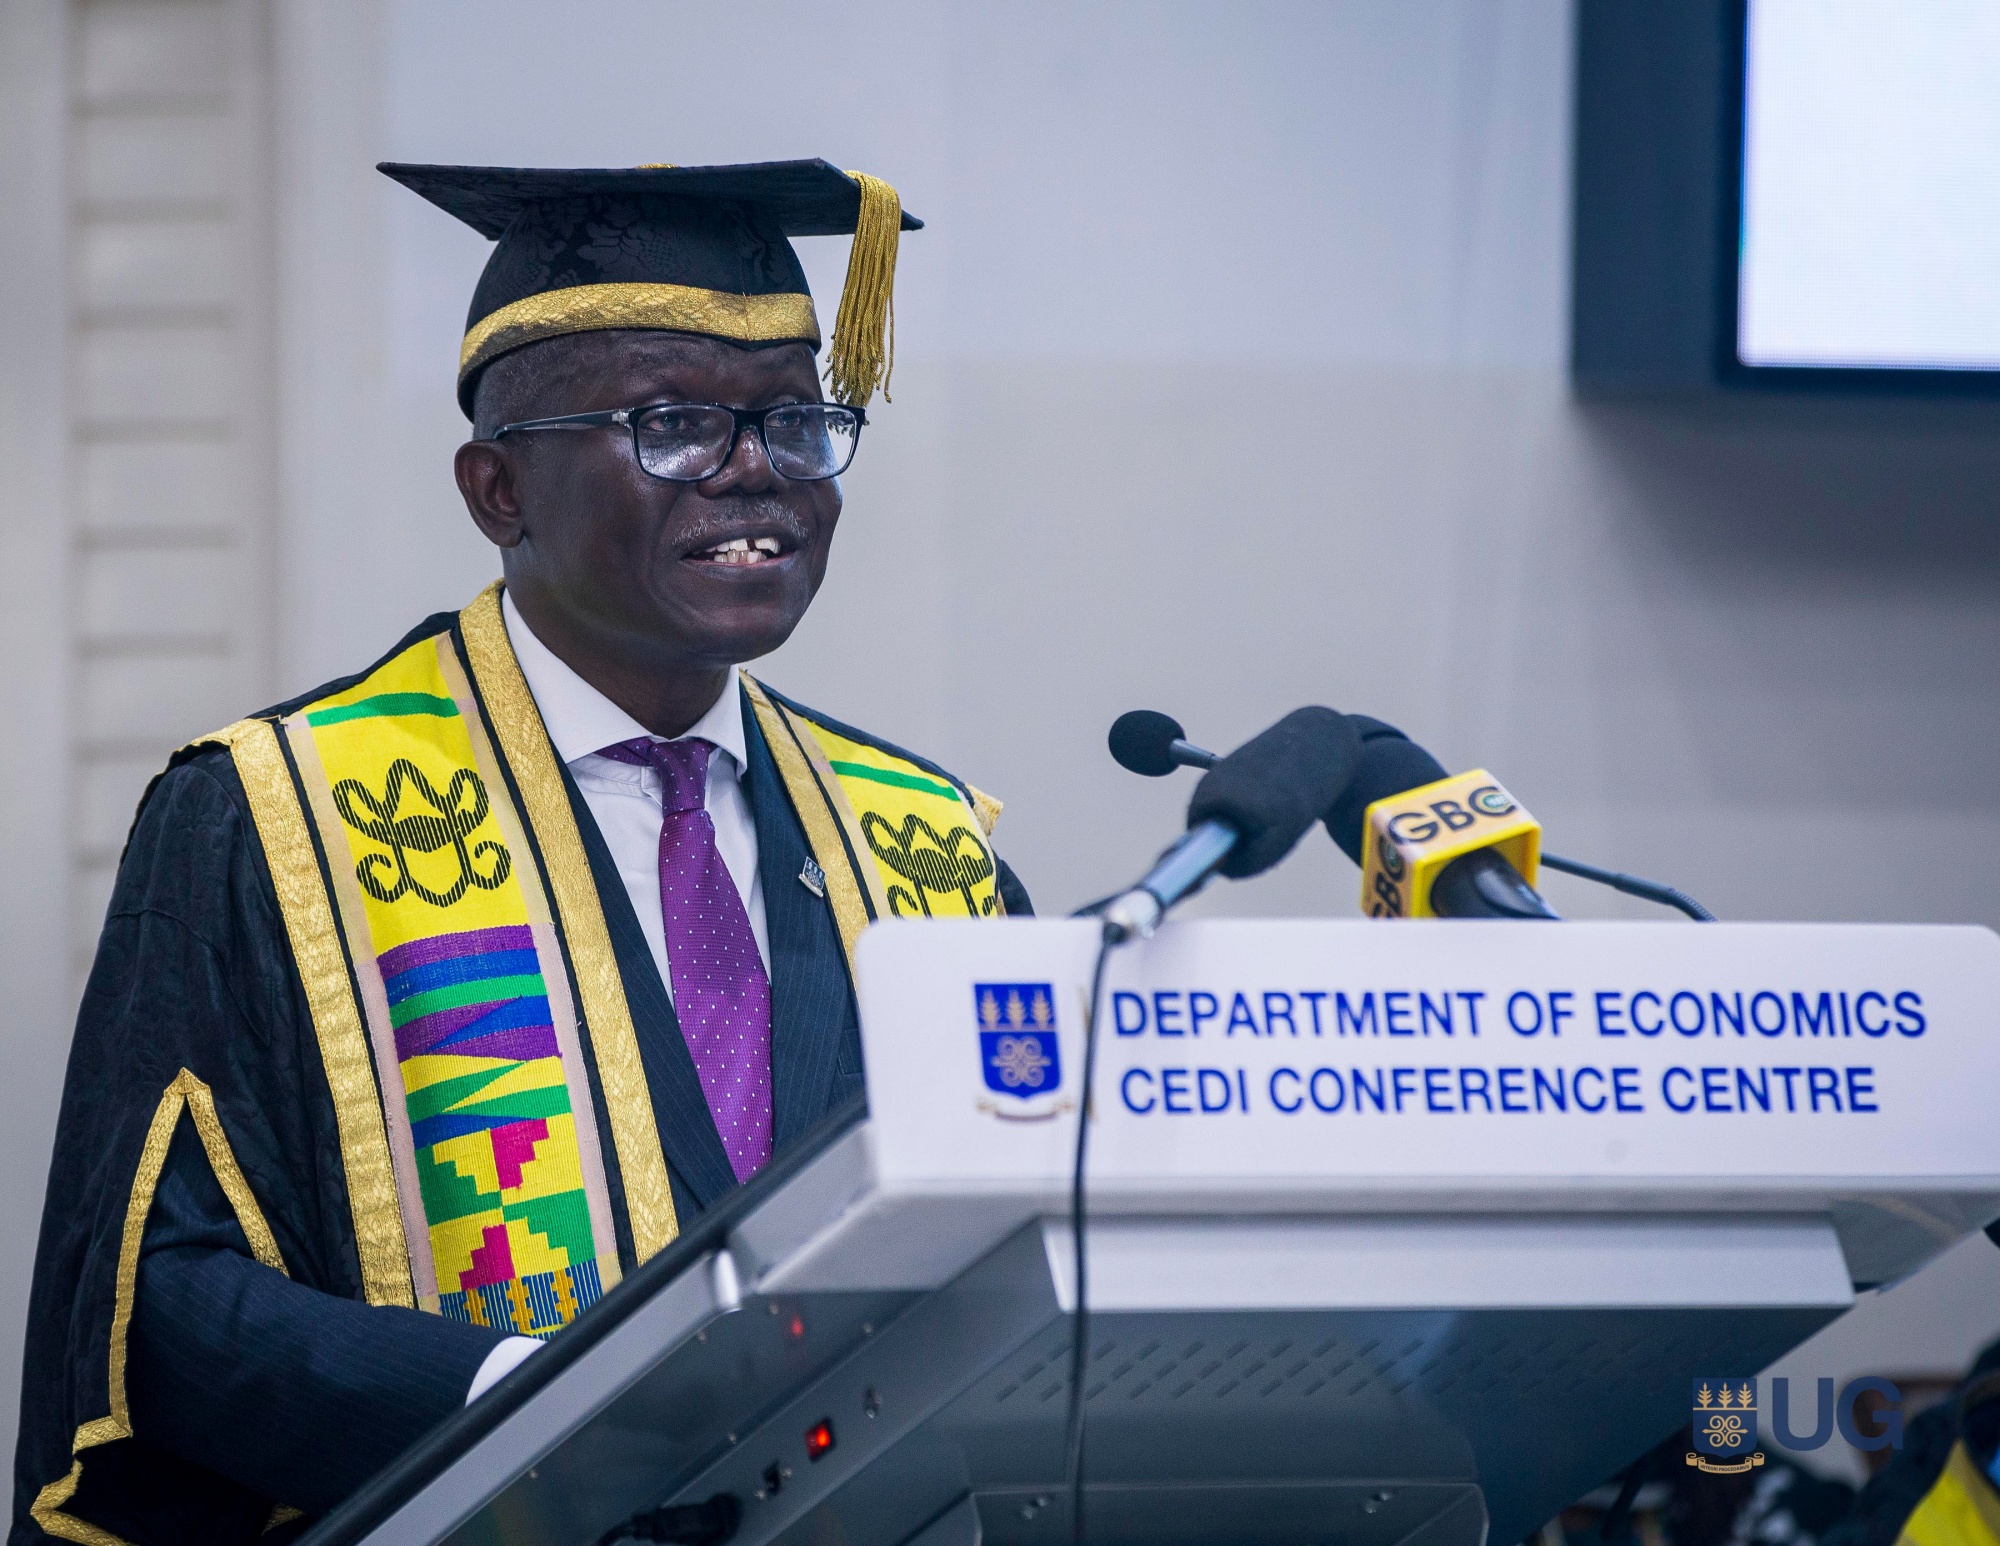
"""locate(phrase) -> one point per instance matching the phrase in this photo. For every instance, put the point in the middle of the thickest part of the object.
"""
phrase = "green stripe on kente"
(551, 1100)
(447, 1093)
(897, 780)
(563, 1220)
(448, 1192)
(486, 990)
(385, 705)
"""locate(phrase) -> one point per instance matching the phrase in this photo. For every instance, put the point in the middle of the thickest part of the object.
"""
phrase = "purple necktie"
(721, 994)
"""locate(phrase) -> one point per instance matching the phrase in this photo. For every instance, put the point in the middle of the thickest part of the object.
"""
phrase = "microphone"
(1248, 811)
(1153, 744)
(1176, 875)
(1431, 845)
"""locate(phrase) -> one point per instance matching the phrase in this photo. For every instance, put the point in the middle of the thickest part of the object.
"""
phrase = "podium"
(1398, 1234)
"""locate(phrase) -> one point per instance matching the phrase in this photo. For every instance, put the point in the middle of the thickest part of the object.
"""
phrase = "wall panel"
(170, 346)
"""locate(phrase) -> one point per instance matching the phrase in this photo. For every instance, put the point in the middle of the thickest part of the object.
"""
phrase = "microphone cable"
(1632, 885)
(1079, 1334)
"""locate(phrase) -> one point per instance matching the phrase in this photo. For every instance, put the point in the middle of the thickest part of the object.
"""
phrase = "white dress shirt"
(625, 800)
(626, 803)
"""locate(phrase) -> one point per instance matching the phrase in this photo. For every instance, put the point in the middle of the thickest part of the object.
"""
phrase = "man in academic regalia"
(432, 1002)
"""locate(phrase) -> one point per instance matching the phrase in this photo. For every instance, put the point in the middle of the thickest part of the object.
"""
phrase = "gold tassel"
(864, 330)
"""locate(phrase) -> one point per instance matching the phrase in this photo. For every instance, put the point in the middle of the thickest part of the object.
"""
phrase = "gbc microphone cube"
(1408, 838)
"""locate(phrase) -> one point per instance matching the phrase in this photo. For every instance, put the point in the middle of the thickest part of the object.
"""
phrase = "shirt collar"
(582, 721)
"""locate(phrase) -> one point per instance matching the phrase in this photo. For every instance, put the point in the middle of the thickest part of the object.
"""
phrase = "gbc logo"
(1419, 827)
(1411, 837)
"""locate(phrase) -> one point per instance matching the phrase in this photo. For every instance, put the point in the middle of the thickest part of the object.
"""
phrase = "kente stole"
(895, 838)
(499, 1171)
(454, 953)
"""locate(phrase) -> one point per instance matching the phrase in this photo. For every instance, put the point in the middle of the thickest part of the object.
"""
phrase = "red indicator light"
(819, 1438)
(797, 1328)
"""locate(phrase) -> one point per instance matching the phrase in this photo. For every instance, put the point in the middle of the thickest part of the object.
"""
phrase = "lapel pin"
(813, 878)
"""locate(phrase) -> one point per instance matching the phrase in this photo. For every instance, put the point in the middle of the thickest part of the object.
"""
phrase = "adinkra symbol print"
(453, 816)
(938, 867)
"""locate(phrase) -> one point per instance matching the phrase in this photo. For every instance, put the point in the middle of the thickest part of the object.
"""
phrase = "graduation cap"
(689, 249)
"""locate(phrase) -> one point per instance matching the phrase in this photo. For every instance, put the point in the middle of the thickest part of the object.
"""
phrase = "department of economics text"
(1760, 1018)
(1766, 1012)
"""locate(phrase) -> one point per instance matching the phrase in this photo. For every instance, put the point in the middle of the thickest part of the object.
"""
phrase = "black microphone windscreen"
(1388, 764)
(1139, 742)
(1276, 785)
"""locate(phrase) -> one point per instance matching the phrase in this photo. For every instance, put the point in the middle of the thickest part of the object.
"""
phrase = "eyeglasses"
(687, 442)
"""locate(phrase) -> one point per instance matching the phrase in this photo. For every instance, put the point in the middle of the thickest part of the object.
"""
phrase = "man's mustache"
(720, 520)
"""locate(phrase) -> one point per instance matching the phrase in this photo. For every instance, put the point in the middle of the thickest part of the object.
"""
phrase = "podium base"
(1275, 1427)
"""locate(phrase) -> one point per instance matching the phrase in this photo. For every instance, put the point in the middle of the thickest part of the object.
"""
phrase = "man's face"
(640, 566)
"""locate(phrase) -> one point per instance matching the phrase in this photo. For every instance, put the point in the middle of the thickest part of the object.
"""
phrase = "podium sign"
(1298, 1056)
(1399, 1233)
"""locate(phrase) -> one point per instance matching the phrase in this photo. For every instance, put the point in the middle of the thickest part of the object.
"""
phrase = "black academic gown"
(254, 1394)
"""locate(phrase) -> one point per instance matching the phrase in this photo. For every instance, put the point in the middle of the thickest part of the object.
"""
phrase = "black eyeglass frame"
(746, 418)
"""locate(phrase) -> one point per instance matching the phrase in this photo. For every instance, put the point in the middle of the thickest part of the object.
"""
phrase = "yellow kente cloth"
(895, 837)
(499, 1171)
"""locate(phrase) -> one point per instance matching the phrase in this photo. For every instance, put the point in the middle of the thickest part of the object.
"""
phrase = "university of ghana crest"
(1725, 1427)
(1020, 1054)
